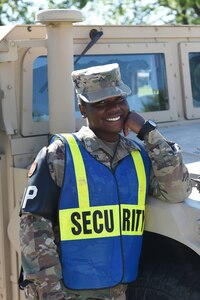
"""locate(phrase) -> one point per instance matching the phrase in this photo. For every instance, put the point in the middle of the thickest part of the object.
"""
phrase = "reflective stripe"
(141, 175)
(132, 219)
(80, 174)
(96, 222)
(101, 221)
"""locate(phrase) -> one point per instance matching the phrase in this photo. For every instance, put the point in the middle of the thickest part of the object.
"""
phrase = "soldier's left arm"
(170, 180)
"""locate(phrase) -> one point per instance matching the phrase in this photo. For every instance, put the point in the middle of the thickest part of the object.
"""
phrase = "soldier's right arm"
(40, 259)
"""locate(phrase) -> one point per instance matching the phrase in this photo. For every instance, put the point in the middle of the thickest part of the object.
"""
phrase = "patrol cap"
(100, 82)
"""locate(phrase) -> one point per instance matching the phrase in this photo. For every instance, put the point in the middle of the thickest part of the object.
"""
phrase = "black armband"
(41, 196)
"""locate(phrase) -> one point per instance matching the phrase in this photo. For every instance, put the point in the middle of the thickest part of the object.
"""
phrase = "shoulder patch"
(32, 168)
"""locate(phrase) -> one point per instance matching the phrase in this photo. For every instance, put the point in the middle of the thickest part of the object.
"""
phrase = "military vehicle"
(161, 64)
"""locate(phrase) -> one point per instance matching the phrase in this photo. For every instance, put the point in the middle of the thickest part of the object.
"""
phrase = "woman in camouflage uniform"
(59, 264)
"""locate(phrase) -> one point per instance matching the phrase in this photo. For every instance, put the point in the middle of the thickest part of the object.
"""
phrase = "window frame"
(147, 48)
(29, 127)
(186, 48)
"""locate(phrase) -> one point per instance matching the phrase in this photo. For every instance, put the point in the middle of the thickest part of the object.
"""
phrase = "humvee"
(161, 64)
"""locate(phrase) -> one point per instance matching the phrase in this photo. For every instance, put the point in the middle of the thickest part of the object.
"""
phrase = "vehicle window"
(145, 74)
(40, 90)
(194, 65)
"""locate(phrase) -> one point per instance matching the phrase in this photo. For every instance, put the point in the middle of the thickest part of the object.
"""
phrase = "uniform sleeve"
(39, 253)
(170, 180)
(40, 258)
(56, 161)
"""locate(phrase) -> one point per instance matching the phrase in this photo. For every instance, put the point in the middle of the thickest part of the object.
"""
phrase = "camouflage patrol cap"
(97, 83)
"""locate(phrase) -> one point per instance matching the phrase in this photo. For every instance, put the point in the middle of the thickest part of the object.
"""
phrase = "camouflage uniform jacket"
(169, 181)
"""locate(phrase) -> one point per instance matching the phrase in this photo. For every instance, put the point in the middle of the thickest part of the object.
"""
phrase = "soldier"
(82, 216)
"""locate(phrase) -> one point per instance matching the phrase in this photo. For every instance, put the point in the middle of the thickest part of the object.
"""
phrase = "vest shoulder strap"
(60, 136)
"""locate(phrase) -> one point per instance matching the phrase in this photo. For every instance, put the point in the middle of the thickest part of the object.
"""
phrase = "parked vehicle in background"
(161, 64)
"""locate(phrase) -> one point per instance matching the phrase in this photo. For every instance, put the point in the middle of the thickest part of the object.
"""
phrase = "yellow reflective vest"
(101, 218)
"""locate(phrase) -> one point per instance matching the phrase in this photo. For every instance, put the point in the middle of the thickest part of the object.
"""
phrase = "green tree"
(117, 12)
(20, 11)
(120, 11)
(155, 11)
(14, 11)
(184, 11)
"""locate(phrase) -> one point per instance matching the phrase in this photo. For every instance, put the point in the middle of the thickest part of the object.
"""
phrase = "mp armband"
(41, 195)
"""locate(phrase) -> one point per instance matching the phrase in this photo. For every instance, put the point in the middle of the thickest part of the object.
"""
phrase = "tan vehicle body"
(21, 138)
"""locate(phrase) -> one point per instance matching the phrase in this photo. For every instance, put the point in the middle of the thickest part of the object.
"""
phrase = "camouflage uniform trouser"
(31, 294)
(121, 297)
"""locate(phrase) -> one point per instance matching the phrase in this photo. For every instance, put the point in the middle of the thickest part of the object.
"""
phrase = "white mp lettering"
(30, 193)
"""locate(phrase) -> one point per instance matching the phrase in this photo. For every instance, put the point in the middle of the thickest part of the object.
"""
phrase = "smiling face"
(106, 118)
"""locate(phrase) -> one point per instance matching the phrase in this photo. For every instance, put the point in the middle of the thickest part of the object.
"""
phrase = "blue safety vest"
(101, 218)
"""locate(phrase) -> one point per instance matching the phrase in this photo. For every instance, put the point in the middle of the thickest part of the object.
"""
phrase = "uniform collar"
(93, 143)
